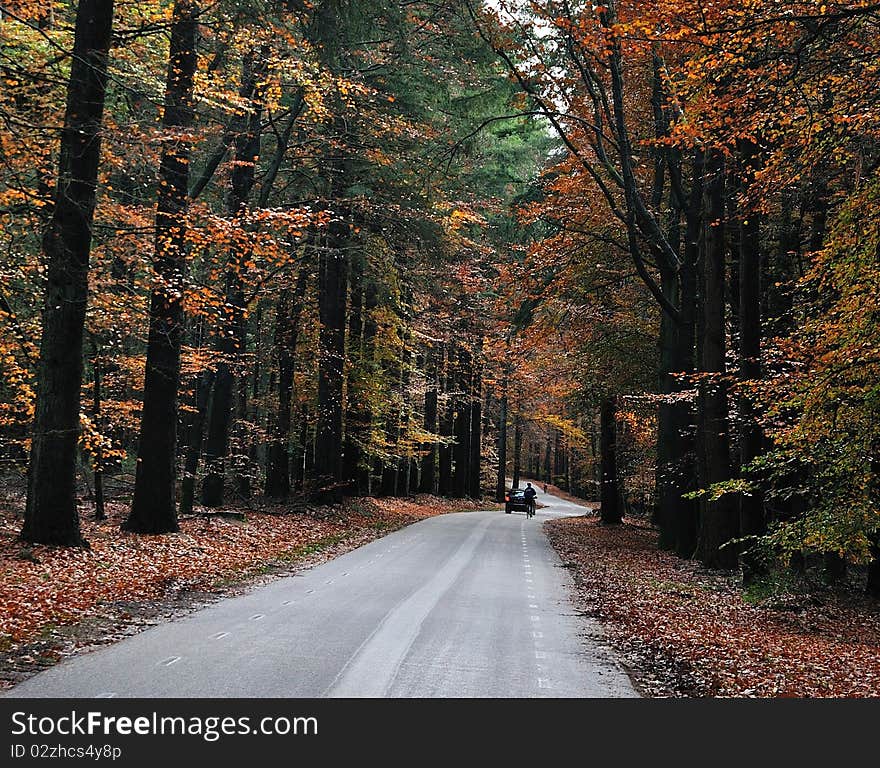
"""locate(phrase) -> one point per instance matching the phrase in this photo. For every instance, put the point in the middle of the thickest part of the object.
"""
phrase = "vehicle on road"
(516, 499)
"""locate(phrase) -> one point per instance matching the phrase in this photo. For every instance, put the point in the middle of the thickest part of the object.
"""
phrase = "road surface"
(473, 604)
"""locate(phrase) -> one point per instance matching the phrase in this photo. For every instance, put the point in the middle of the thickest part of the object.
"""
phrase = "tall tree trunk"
(517, 448)
(475, 489)
(245, 413)
(97, 371)
(154, 508)
(286, 340)
(51, 515)
(232, 344)
(718, 519)
(447, 424)
(356, 418)
(462, 425)
(668, 416)
(679, 516)
(332, 293)
(610, 512)
(501, 479)
(548, 456)
(751, 438)
(404, 455)
(195, 437)
(370, 329)
(428, 474)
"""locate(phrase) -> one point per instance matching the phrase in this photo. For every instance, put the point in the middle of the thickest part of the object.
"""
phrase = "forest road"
(472, 604)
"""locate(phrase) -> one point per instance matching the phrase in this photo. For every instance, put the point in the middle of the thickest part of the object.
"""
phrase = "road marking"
(537, 634)
(220, 635)
(106, 695)
(535, 618)
(168, 662)
(287, 602)
(540, 655)
(543, 682)
(256, 617)
(372, 669)
(533, 605)
(528, 581)
(329, 581)
(309, 591)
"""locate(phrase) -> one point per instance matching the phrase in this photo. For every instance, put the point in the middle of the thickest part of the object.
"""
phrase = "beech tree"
(51, 515)
(154, 508)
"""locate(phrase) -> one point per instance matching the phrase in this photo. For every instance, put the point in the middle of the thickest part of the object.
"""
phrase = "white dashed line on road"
(168, 662)
(221, 635)
(256, 617)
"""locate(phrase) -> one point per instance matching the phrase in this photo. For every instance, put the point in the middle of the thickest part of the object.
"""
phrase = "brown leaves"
(690, 632)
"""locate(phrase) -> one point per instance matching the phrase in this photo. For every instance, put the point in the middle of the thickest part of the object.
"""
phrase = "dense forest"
(303, 251)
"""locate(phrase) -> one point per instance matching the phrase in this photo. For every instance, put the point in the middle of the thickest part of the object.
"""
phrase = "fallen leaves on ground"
(45, 587)
(686, 631)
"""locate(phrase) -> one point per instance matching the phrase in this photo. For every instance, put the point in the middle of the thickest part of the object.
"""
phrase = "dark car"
(515, 499)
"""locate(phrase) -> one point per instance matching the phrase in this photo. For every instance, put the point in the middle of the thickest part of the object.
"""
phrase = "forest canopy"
(314, 250)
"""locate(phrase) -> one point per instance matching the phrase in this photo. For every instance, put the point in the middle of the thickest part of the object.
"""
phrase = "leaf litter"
(683, 630)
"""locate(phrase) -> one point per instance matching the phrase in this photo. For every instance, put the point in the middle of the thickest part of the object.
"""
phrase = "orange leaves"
(693, 633)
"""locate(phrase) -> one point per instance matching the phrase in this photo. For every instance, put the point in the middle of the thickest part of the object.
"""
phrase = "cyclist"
(530, 494)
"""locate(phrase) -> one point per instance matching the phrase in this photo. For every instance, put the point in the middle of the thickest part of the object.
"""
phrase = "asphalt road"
(463, 605)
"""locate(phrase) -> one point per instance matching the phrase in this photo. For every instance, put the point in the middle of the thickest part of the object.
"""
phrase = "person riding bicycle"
(530, 494)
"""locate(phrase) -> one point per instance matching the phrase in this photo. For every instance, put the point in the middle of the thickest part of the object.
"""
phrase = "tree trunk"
(428, 474)
(751, 438)
(404, 455)
(51, 515)
(233, 342)
(548, 456)
(680, 515)
(100, 514)
(195, 436)
(356, 418)
(154, 508)
(610, 512)
(501, 479)
(462, 425)
(332, 292)
(447, 424)
(517, 449)
(476, 438)
(286, 340)
(718, 519)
